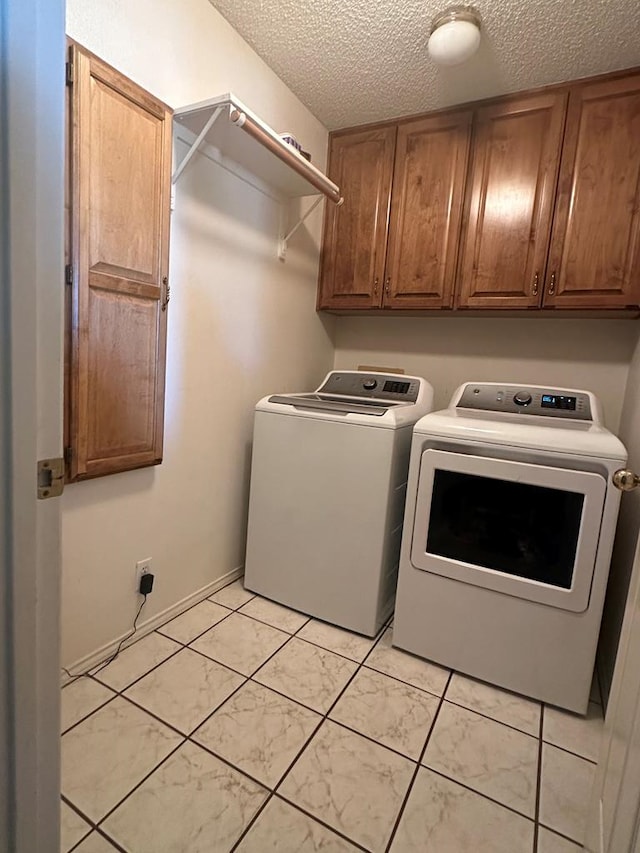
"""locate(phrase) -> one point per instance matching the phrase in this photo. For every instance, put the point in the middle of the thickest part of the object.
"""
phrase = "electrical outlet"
(143, 567)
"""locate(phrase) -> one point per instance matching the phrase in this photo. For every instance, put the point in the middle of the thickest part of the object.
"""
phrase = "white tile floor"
(223, 731)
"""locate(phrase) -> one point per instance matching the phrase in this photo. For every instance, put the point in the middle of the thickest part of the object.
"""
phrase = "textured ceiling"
(357, 61)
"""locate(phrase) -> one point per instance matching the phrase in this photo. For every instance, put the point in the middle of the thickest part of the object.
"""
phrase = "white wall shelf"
(228, 126)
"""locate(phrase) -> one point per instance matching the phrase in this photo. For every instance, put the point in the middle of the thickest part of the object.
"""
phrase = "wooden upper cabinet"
(355, 233)
(426, 211)
(594, 259)
(120, 173)
(510, 203)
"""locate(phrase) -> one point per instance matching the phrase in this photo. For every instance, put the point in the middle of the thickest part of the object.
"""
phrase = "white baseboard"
(101, 654)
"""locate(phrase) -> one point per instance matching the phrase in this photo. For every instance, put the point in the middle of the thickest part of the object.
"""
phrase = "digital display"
(396, 387)
(557, 401)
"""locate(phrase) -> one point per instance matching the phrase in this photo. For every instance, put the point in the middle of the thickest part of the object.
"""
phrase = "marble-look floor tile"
(194, 621)
(350, 783)
(80, 698)
(95, 843)
(549, 842)
(582, 735)
(259, 732)
(444, 817)
(337, 640)
(233, 596)
(109, 753)
(565, 790)
(136, 660)
(393, 713)
(489, 757)
(281, 828)
(274, 614)
(184, 690)
(72, 828)
(307, 673)
(240, 643)
(398, 664)
(501, 705)
(194, 802)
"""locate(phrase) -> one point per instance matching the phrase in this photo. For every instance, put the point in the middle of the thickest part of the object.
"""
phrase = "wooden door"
(594, 260)
(426, 211)
(120, 185)
(355, 233)
(510, 201)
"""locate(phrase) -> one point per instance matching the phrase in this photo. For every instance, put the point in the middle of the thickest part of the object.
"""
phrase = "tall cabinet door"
(426, 211)
(594, 259)
(120, 183)
(355, 233)
(513, 181)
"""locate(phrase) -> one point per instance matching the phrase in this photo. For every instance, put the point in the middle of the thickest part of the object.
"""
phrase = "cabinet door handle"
(535, 284)
(552, 284)
(387, 285)
(167, 293)
(375, 286)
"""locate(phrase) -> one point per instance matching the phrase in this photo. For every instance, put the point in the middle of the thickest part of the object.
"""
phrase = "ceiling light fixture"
(455, 35)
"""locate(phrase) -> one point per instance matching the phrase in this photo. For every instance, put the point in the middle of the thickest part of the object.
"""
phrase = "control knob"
(522, 398)
(369, 384)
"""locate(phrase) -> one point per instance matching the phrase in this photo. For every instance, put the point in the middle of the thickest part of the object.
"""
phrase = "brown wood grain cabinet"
(525, 202)
(355, 233)
(120, 173)
(511, 195)
(594, 258)
(426, 211)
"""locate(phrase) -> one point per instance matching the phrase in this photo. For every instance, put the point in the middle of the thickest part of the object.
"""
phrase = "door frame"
(31, 337)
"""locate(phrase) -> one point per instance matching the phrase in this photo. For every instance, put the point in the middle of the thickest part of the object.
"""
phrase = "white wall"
(590, 354)
(626, 534)
(241, 325)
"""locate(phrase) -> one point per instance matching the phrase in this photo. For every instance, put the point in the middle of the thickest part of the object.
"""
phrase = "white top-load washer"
(509, 526)
(328, 486)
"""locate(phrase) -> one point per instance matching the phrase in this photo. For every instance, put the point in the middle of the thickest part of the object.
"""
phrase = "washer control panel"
(526, 400)
(382, 386)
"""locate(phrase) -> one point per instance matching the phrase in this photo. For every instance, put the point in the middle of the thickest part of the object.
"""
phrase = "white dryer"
(509, 526)
(328, 487)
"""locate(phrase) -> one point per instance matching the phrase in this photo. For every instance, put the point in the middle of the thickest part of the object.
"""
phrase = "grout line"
(479, 793)
(538, 781)
(570, 752)
(93, 710)
(562, 835)
(408, 683)
(493, 719)
(100, 832)
(405, 800)
(316, 819)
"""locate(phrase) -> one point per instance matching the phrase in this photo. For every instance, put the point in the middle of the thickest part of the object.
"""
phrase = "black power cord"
(92, 671)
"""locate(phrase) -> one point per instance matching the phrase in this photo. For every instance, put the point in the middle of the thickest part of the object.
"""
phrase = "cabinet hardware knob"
(626, 480)
(387, 285)
(552, 284)
(375, 286)
(535, 284)
(167, 293)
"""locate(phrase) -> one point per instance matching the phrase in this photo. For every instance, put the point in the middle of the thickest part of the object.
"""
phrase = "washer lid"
(327, 403)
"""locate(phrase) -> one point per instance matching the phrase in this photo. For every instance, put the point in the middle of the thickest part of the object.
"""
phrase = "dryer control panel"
(526, 400)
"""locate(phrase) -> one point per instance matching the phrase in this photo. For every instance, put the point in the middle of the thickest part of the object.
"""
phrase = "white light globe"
(454, 42)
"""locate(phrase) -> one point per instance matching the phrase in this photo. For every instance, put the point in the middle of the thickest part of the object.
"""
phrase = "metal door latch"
(626, 480)
(50, 478)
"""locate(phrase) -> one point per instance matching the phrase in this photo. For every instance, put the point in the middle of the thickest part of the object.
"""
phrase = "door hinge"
(68, 275)
(69, 73)
(50, 478)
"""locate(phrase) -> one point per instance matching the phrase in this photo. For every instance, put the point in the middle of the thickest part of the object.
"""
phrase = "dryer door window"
(519, 528)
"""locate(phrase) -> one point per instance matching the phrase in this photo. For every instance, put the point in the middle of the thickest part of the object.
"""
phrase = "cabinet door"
(120, 184)
(426, 211)
(594, 260)
(355, 234)
(512, 188)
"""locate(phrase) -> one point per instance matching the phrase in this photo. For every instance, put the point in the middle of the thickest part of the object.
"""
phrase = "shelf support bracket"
(196, 144)
(285, 237)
